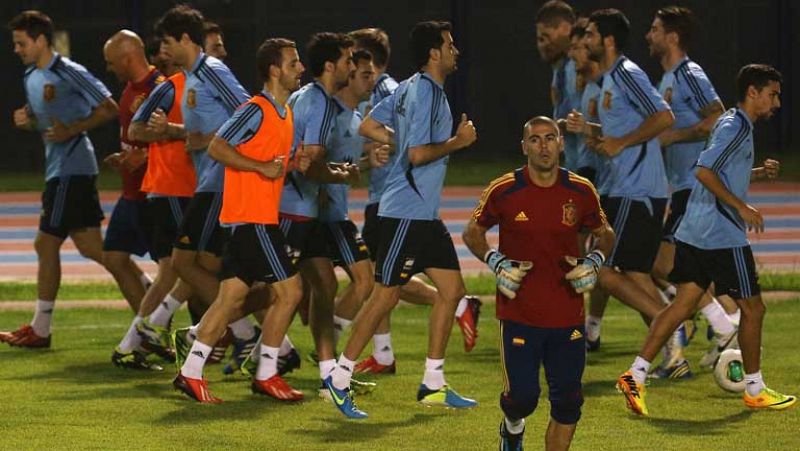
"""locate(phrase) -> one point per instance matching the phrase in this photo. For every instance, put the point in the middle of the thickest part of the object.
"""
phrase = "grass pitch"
(71, 397)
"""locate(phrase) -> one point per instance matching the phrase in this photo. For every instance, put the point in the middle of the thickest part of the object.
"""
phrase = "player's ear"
(524, 150)
(434, 54)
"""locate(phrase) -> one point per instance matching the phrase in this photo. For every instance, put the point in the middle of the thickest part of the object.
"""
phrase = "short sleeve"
(487, 213)
(243, 125)
(423, 114)
(383, 112)
(225, 85)
(640, 91)
(701, 90)
(86, 84)
(318, 119)
(593, 214)
(163, 96)
(729, 133)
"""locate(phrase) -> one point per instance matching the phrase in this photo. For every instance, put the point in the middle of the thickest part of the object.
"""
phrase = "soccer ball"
(729, 371)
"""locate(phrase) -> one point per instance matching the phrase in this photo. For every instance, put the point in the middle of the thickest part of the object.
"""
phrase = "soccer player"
(254, 147)
(128, 232)
(711, 243)
(554, 22)
(64, 101)
(416, 291)
(213, 43)
(412, 238)
(696, 106)
(541, 210)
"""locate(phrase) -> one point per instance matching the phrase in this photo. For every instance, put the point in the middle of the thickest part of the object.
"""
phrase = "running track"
(776, 249)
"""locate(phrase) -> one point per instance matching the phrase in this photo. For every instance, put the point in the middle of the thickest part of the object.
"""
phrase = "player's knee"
(114, 262)
(753, 307)
(566, 409)
(363, 286)
(516, 406)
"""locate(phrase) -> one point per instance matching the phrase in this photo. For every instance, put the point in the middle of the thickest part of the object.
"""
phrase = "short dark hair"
(210, 27)
(270, 53)
(554, 12)
(376, 41)
(757, 76)
(362, 55)
(678, 20)
(153, 46)
(34, 23)
(579, 28)
(424, 37)
(325, 47)
(612, 22)
(182, 19)
(541, 120)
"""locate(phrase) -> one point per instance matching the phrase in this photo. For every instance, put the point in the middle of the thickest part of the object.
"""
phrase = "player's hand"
(301, 161)
(22, 118)
(575, 122)
(509, 273)
(114, 160)
(158, 122)
(772, 168)
(273, 169)
(465, 133)
(752, 218)
(610, 146)
(134, 158)
(58, 132)
(353, 173)
(583, 276)
(379, 156)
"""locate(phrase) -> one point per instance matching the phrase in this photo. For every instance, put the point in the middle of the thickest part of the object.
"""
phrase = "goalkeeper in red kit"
(541, 209)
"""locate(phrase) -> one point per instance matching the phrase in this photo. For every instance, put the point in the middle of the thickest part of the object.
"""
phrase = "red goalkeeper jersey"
(541, 225)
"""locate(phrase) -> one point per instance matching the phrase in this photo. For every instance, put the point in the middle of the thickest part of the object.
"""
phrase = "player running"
(541, 210)
(711, 243)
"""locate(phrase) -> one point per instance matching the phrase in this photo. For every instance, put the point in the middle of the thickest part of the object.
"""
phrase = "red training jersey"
(541, 225)
(132, 97)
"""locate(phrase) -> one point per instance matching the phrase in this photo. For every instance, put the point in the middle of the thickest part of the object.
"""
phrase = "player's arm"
(770, 170)
(654, 125)
(474, 237)
(329, 173)
(465, 136)
(374, 130)
(24, 119)
(576, 123)
(157, 128)
(225, 153)
(713, 183)
(102, 113)
(697, 132)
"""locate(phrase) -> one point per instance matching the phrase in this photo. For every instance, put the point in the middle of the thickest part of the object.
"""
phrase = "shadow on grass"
(341, 430)
(709, 426)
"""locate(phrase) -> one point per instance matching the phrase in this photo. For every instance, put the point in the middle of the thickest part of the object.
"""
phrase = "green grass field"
(71, 397)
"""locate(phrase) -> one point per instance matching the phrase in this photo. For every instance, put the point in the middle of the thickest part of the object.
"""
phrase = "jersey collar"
(56, 57)
(678, 65)
(426, 75)
(744, 116)
(201, 57)
(321, 88)
(281, 109)
(617, 63)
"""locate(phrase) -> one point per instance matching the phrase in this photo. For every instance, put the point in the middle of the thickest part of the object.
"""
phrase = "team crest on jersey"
(668, 95)
(569, 213)
(607, 100)
(191, 98)
(49, 93)
(593, 107)
(137, 102)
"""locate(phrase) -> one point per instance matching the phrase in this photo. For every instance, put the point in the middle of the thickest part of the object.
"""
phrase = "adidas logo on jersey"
(576, 334)
(521, 216)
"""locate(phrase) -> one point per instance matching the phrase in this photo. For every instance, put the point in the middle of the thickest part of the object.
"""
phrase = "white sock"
(382, 352)
(670, 291)
(515, 427)
(754, 383)
(42, 316)
(326, 367)
(639, 369)
(163, 313)
(131, 340)
(243, 329)
(341, 375)
(717, 317)
(193, 331)
(146, 280)
(286, 346)
(593, 324)
(462, 306)
(736, 317)
(267, 363)
(434, 374)
(193, 367)
(339, 326)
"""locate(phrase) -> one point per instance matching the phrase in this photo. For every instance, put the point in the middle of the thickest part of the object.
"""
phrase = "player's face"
(542, 145)
(363, 80)
(116, 64)
(552, 42)
(343, 68)
(656, 39)
(449, 54)
(173, 50)
(291, 69)
(214, 46)
(580, 54)
(594, 42)
(768, 100)
(29, 50)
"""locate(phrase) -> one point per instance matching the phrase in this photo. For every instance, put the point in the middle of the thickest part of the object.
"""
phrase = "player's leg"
(521, 353)
(322, 279)
(124, 236)
(564, 361)
(349, 250)
(598, 299)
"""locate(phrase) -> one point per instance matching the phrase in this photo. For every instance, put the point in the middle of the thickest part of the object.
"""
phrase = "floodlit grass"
(71, 397)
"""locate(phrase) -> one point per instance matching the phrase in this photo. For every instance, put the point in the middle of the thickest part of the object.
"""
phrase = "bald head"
(125, 56)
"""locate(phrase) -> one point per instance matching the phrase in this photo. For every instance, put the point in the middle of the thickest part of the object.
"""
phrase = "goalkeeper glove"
(583, 276)
(509, 272)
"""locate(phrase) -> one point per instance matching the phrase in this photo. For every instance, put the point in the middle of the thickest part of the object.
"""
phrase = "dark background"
(501, 82)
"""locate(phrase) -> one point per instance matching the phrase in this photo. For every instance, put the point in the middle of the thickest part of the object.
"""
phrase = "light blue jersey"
(687, 90)
(211, 95)
(314, 120)
(566, 97)
(709, 223)
(419, 114)
(346, 146)
(628, 99)
(67, 92)
(384, 87)
(590, 102)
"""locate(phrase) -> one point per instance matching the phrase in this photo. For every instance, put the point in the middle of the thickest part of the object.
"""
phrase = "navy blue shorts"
(70, 203)
(562, 352)
(344, 244)
(128, 229)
